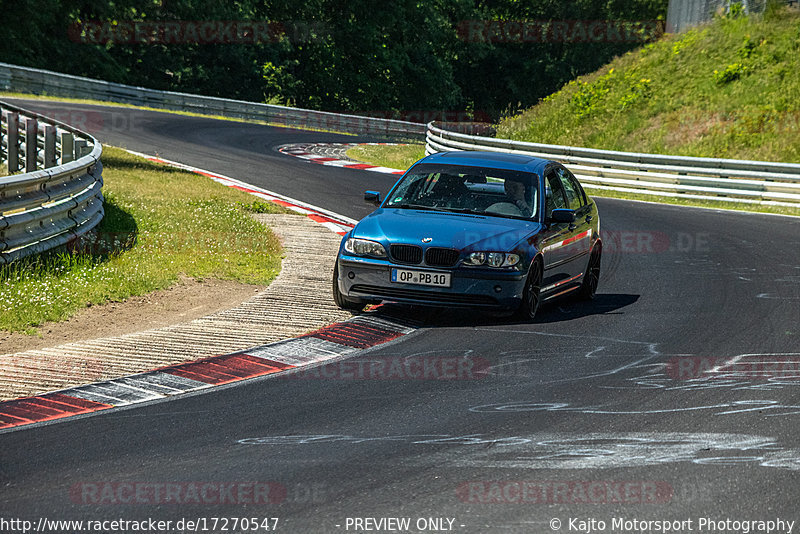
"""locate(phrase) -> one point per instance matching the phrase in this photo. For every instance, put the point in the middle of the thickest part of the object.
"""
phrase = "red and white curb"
(333, 221)
(334, 341)
(339, 339)
(302, 151)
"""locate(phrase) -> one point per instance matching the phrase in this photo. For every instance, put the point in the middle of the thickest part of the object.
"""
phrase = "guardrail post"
(67, 147)
(43, 210)
(49, 146)
(80, 148)
(31, 144)
(12, 123)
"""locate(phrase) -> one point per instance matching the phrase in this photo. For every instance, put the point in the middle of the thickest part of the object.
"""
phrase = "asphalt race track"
(597, 412)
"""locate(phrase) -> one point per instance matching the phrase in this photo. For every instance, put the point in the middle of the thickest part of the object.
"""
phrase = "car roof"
(497, 160)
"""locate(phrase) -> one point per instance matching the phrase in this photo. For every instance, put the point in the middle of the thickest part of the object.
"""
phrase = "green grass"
(727, 89)
(263, 206)
(160, 223)
(393, 156)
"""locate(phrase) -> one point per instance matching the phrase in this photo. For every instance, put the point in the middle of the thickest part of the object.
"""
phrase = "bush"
(731, 73)
(736, 10)
(638, 90)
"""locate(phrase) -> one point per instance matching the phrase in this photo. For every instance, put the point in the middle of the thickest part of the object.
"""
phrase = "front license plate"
(421, 278)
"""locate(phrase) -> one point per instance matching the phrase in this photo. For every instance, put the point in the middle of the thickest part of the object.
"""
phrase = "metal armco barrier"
(685, 14)
(58, 197)
(753, 182)
(36, 81)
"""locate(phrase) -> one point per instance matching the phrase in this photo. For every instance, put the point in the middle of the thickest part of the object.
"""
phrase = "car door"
(556, 237)
(578, 245)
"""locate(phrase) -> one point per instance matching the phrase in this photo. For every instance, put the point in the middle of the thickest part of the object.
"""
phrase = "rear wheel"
(340, 300)
(592, 276)
(531, 296)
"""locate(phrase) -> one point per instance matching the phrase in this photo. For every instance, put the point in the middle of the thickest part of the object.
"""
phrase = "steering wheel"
(504, 208)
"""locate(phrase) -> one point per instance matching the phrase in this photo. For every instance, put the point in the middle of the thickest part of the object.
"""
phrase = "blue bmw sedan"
(478, 229)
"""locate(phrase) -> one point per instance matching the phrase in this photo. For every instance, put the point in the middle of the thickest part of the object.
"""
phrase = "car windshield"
(463, 189)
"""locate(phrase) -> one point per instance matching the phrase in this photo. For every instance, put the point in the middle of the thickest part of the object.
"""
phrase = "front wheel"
(340, 300)
(531, 296)
(592, 276)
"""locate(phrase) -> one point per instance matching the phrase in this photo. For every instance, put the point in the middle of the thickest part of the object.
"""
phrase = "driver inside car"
(516, 193)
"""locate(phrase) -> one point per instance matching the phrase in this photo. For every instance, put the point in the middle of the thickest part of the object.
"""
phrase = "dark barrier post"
(31, 144)
(13, 141)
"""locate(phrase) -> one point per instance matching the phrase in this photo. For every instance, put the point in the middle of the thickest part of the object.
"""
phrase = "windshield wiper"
(411, 206)
(462, 210)
(436, 208)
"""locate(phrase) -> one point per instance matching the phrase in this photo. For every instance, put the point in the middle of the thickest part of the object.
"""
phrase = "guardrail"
(37, 81)
(729, 180)
(58, 197)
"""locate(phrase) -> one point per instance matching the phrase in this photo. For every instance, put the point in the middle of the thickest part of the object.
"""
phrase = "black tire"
(531, 296)
(592, 277)
(340, 300)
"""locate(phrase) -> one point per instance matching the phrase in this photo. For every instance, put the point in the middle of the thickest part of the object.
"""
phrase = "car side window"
(575, 198)
(578, 188)
(554, 194)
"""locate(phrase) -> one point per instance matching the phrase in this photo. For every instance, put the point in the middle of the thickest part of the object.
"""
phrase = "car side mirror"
(563, 216)
(372, 197)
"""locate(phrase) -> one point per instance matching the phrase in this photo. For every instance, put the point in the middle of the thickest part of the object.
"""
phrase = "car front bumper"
(369, 280)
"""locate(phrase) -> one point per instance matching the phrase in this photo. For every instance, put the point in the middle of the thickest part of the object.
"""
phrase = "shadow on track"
(568, 309)
(558, 311)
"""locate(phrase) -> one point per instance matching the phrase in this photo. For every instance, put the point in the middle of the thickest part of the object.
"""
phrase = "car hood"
(450, 230)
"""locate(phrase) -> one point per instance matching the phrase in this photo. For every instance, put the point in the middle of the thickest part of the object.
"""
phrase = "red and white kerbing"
(338, 340)
(333, 221)
(302, 151)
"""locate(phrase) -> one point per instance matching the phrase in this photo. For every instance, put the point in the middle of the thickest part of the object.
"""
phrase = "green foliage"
(732, 72)
(386, 60)
(278, 81)
(586, 100)
(636, 91)
(610, 93)
(735, 10)
(667, 97)
(688, 41)
(773, 10)
(747, 49)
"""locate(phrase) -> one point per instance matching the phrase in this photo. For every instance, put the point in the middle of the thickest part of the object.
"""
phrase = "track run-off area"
(673, 396)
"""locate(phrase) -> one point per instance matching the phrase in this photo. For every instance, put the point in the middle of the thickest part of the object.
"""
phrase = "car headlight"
(476, 258)
(511, 260)
(492, 259)
(495, 259)
(364, 247)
